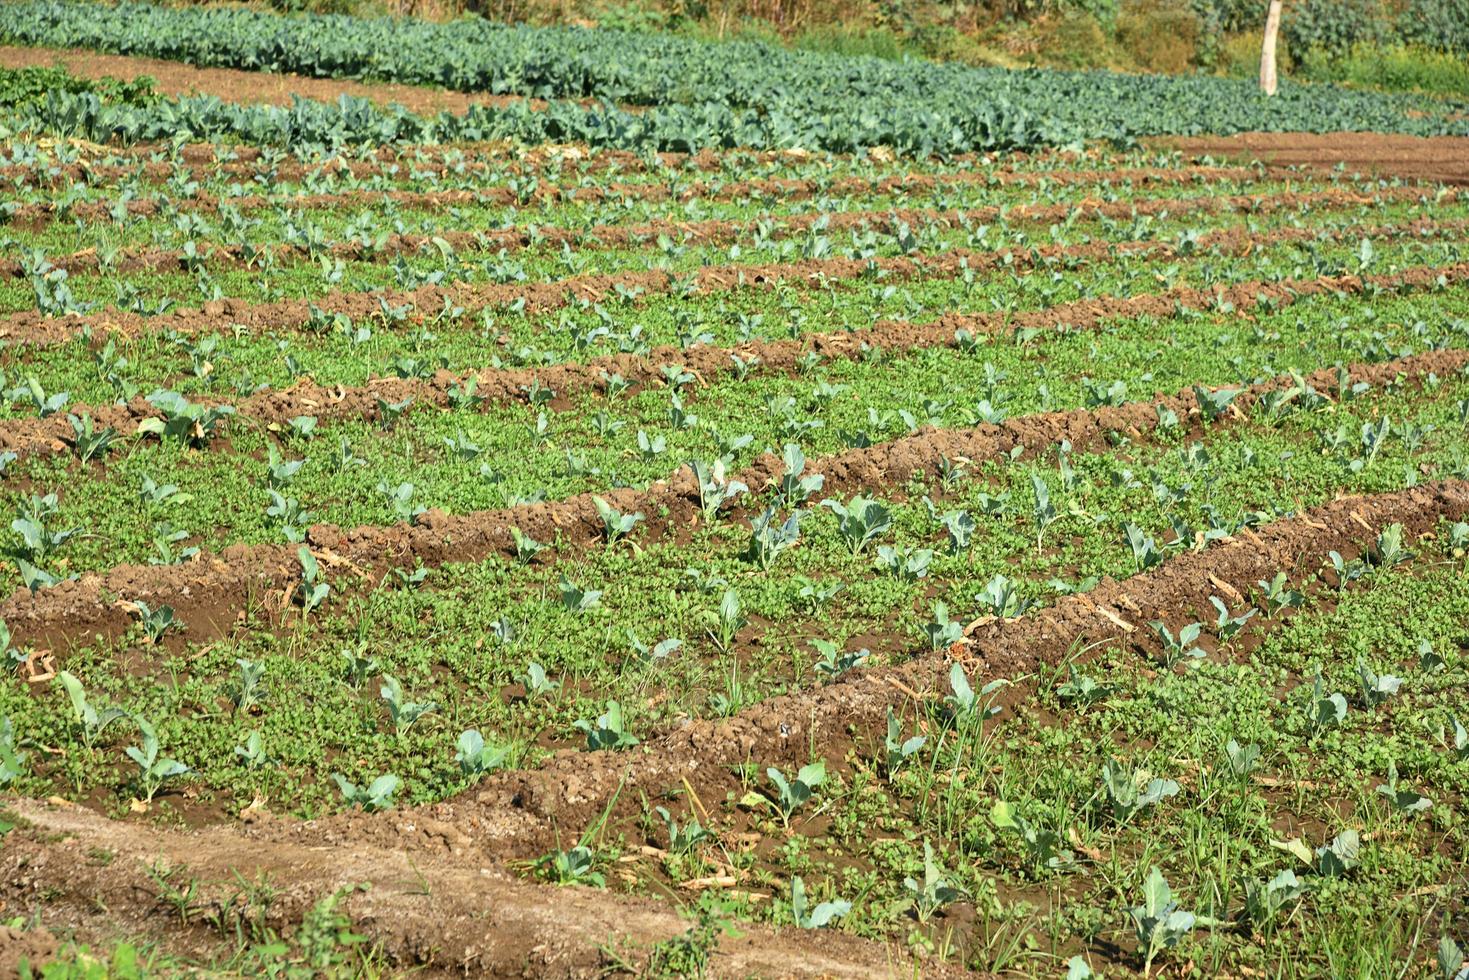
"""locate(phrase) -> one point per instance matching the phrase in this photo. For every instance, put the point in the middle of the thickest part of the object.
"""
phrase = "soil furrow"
(208, 594)
(435, 916)
(228, 314)
(37, 214)
(715, 231)
(53, 434)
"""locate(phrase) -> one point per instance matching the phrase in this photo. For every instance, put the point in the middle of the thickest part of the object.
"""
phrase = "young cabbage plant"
(1042, 845)
(934, 892)
(311, 592)
(786, 796)
(1159, 922)
(1376, 688)
(153, 771)
(896, 749)
(725, 621)
(1240, 760)
(769, 536)
(376, 796)
(1327, 709)
(964, 704)
(403, 713)
(859, 521)
(833, 662)
(1265, 899)
(1180, 647)
(683, 840)
(535, 681)
(615, 524)
(1228, 626)
(12, 759)
(942, 631)
(1131, 790)
(476, 756)
(526, 547)
(90, 721)
(819, 917)
(904, 564)
(183, 421)
(715, 487)
(795, 487)
(248, 690)
(252, 753)
(1404, 800)
(608, 730)
(1001, 598)
(575, 599)
(573, 867)
(87, 441)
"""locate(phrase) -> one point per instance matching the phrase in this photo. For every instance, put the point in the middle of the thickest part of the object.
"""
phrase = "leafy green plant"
(964, 703)
(183, 421)
(942, 631)
(476, 756)
(1327, 708)
(818, 917)
(12, 759)
(90, 721)
(859, 521)
(1129, 791)
(715, 487)
(1376, 688)
(1042, 845)
(683, 840)
(577, 600)
(153, 771)
(403, 713)
(378, 795)
(87, 441)
(576, 866)
(896, 749)
(1159, 922)
(607, 730)
(1180, 647)
(726, 620)
(535, 681)
(769, 536)
(526, 547)
(931, 895)
(786, 796)
(248, 690)
(615, 523)
(1265, 899)
(1404, 800)
(833, 661)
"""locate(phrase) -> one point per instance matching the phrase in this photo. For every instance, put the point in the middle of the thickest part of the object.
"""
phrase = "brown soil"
(719, 231)
(210, 594)
(438, 914)
(1438, 159)
(34, 946)
(31, 326)
(175, 79)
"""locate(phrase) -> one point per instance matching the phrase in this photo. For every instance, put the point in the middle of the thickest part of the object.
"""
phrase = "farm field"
(722, 530)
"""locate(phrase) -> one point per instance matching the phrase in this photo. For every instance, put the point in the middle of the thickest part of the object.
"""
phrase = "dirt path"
(1444, 159)
(176, 79)
(441, 915)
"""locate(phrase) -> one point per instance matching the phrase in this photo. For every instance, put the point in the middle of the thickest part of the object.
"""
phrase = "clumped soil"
(1436, 159)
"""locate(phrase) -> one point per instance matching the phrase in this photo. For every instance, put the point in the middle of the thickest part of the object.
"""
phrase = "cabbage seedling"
(725, 621)
(1376, 688)
(1403, 800)
(535, 681)
(1129, 791)
(153, 771)
(607, 731)
(183, 421)
(615, 523)
(769, 536)
(573, 867)
(1265, 899)
(941, 630)
(1042, 845)
(934, 892)
(476, 756)
(248, 690)
(12, 759)
(964, 704)
(526, 547)
(89, 443)
(378, 796)
(252, 753)
(1159, 922)
(311, 592)
(834, 662)
(788, 795)
(896, 749)
(859, 521)
(818, 917)
(683, 840)
(403, 713)
(575, 599)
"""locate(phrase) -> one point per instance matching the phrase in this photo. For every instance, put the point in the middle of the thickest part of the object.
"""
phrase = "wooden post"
(1268, 80)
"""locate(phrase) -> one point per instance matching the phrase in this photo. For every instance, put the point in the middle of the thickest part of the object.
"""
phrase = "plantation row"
(682, 94)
